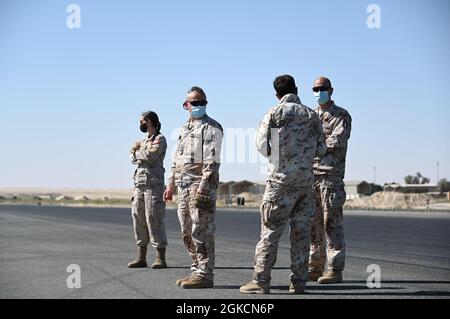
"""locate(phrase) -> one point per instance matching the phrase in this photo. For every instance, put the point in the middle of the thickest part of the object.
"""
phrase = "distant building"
(234, 188)
(236, 192)
(411, 188)
(393, 187)
(356, 189)
(43, 197)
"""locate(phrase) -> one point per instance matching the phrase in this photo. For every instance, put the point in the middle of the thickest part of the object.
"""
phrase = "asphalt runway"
(38, 243)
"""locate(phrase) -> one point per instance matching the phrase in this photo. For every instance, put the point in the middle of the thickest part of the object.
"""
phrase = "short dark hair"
(284, 84)
(198, 90)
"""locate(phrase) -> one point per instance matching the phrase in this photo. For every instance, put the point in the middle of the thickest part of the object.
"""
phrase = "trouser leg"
(299, 235)
(334, 224)
(184, 216)
(203, 236)
(274, 210)
(140, 227)
(155, 213)
(317, 257)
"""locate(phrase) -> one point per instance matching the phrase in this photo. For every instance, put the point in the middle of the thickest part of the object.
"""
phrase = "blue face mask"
(322, 97)
(198, 111)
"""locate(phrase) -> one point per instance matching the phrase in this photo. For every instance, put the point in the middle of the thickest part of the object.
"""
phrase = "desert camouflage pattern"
(195, 169)
(283, 204)
(197, 231)
(337, 126)
(197, 156)
(327, 229)
(290, 135)
(148, 206)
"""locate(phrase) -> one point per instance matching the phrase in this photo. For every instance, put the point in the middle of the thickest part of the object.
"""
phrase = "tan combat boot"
(255, 287)
(197, 282)
(314, 275)
(140, 261)
(179, 281)
(160, 261)
(331, 277)
(296, 290)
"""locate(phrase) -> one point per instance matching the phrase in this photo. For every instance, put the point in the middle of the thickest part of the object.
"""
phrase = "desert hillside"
(398, 201)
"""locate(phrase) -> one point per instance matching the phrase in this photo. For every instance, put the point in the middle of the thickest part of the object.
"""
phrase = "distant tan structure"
(43, 197)
(357, 189)
(411, 188)
(251, 192)
(63, 197)
(79, 198)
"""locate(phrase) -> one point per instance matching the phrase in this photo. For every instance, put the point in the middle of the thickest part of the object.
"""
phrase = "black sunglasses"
(320, 88)
(196, 103)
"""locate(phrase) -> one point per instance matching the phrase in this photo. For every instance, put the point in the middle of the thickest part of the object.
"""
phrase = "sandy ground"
(72, 192)
(398, 201)
(380, 200)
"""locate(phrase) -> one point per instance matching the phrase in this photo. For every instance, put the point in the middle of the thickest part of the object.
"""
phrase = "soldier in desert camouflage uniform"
(291, 136)
(327, 231)
(148, 207)
(195, 171)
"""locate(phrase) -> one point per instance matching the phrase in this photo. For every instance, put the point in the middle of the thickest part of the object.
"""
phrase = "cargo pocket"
(264, 210)
(140, 178)
(271, 214)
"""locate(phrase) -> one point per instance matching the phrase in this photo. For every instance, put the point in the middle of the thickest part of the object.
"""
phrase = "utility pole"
(437, 178)
(375, 175)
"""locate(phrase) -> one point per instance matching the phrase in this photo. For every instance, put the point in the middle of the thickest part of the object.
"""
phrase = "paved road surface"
(38, 243)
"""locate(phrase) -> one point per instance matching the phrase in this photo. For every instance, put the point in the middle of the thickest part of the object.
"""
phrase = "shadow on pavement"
(251, 268)
(401, 281)
(399, 294)
(333, 290)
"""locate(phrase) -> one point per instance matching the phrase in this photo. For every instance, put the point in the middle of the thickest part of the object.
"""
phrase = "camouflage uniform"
(148, 207)
(195, 168)
(291, 136)
(327, 231)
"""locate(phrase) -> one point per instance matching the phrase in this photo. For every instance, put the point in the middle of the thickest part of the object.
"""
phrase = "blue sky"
(70, 99)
